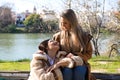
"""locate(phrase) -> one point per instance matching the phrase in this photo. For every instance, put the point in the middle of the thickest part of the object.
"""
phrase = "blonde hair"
(76, 30)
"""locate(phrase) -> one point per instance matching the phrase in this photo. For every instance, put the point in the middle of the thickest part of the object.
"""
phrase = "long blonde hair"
(76, 30)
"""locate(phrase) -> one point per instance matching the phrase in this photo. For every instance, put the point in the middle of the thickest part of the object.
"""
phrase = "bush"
(11, 28)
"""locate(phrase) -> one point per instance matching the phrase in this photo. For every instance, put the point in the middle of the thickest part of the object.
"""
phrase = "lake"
(21, 46)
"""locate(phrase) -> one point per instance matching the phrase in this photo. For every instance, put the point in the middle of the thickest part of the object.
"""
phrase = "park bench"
(23, 75)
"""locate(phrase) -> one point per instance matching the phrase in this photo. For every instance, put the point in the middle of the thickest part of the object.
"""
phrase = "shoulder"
(39, 56)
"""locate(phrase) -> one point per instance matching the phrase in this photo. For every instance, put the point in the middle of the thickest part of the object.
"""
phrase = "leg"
(67, 73)
(79, 72)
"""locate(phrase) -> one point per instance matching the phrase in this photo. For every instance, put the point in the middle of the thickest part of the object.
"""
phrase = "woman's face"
(53, 45)
(65, 25)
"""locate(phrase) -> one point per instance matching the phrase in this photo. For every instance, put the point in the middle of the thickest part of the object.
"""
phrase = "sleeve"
(66, 62)
(71, 62)
(77, 60)
(86, 56)
(89, 49)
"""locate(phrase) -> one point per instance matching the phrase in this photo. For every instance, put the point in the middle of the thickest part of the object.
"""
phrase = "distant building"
(48, 15)
(34, 10)
(21, 17)
(27, 13)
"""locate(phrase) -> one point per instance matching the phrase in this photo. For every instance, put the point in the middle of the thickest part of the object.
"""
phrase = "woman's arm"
(86, 56)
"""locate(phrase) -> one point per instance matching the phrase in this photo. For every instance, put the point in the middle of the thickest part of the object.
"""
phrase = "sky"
(57, 5)
(23, 5)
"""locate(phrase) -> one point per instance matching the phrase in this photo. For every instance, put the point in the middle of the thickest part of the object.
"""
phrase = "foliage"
(52, 25)
(5, 18)
(104, 31)
(92, 16)
(11, 28)
(23, 60)
(33, 23)
(117, 14)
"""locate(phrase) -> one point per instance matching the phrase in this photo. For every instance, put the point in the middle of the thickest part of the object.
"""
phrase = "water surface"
(20, 46)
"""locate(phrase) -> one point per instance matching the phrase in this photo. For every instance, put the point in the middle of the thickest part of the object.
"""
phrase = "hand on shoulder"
(69, 55)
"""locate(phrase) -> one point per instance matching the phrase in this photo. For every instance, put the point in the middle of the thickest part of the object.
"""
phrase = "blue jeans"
(76, 73)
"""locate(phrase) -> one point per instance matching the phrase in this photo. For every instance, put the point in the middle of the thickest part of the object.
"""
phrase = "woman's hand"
(61, 54)
(53, 67)
(69, 55)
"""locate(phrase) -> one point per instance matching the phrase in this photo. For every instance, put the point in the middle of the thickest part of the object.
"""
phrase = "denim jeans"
(76, 73)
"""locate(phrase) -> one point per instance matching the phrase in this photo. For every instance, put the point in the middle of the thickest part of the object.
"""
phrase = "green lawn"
(20, 65)
(105, 64)
(14, 66)
(98, 64)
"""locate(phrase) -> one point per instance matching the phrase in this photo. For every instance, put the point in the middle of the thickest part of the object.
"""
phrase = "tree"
(88, 15)
(52, 25)
(33, 23)
(117, 14)
(116, 22)
(5, 17)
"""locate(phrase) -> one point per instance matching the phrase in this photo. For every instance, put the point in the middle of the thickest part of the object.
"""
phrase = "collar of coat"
(40, 56)
(43, 56)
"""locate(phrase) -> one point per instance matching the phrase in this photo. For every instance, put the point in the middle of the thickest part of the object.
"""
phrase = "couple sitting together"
(66, 56)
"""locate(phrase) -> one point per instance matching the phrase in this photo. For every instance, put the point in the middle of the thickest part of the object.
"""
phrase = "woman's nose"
(62, 24)
(56, 42)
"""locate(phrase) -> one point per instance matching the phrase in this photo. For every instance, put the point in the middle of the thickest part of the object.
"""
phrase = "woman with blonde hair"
(75, 42)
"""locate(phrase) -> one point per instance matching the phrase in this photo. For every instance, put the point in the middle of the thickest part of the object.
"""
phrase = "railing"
(23, 75)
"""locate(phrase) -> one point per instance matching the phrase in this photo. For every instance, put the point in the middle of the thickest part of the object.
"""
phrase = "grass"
(105, 64)
(98, 64)
(19, 65)
(20, 28)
